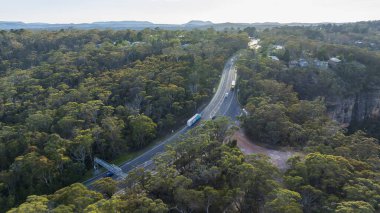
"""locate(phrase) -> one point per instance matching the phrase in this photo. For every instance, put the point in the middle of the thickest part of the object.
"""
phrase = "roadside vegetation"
(98, 108)
(204, 172)
(286, 105)
(67, 96)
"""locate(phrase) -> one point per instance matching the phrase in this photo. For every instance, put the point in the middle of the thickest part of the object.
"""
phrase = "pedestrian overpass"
(110, 167)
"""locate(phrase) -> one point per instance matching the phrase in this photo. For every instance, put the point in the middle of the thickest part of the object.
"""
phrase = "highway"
(220, 105)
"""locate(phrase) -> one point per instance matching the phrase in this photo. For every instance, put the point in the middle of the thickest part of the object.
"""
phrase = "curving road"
(221, 104)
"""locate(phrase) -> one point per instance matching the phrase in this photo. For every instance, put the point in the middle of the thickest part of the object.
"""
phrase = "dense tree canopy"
(70, 95)
(201, 173)
(287, 103)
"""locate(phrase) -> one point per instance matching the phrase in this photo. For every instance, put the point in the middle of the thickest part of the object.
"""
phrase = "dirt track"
(278, 157)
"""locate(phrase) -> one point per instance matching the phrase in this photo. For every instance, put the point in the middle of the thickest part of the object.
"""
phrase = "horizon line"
(227, 22)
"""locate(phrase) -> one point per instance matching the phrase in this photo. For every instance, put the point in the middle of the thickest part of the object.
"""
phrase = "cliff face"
(355, 109)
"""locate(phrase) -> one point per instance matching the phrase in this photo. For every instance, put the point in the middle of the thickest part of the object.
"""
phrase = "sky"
(182, 11)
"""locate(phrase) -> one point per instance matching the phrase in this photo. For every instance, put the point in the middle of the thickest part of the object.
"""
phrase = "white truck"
(233, 84)
(193, 120)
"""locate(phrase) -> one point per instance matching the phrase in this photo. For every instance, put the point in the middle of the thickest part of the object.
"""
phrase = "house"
(333, 62)
(275, 58)
(185, 45)
(138, 43)
(293, 63)
(306, 63)
(358, 42)
(299, 63)
(321, 64)
(303, 63)
(278, 47)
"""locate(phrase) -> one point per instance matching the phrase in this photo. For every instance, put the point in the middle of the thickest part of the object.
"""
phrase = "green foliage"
(251, 31)
(70, 95)
(284, 201)
(277, 117)
(39, 122)
(354, 206)
(288, 106)
(76, 195)
(106, 186)
(133, 203)
(33, 204)
(202, 174)
(143, 130)
(73, 198)
(363, 189)
(321, 179)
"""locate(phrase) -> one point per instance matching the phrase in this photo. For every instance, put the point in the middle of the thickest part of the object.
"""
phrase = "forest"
(204, 172)
(339, 172)
(287, 106)
(68, 96)
(352, 84)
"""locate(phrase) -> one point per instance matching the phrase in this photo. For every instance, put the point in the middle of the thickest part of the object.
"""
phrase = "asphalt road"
(222, 104)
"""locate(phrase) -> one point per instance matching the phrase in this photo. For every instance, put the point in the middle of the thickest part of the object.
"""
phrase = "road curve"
(220, 104)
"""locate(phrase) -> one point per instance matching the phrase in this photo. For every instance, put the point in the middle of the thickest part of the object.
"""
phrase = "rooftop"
(335, 60)
(274, 57)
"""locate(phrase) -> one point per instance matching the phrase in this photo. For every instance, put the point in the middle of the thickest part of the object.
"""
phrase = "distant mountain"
(122, 24)
(198, 23)
(139, 25)
(6, 25)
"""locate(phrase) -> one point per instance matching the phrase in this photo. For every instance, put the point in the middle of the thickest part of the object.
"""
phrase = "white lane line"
(221, 87)
(226, 86)
(162, 143)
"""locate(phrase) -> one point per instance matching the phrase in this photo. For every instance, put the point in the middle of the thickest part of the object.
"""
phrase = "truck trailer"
(193, 120)
(233, 84)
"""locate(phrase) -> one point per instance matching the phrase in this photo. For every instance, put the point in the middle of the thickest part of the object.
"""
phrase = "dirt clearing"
(278, 157)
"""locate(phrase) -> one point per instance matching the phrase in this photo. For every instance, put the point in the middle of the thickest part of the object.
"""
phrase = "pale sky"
(182, 11)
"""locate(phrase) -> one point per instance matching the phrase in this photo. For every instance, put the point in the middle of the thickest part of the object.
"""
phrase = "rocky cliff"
(355, 109)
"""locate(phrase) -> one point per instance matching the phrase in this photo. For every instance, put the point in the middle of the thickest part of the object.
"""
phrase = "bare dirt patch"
(277, 156)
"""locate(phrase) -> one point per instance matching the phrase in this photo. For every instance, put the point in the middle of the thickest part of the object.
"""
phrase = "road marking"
(223, 85)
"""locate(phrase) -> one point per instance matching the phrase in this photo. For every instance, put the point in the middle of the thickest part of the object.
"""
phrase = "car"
(213, 117)
(226, 95)
(109, 174)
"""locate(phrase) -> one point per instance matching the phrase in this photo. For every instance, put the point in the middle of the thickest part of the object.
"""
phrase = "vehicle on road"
(233, 84)
(193, 120)
(210, 111)
(226, 95)
(109, 174)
